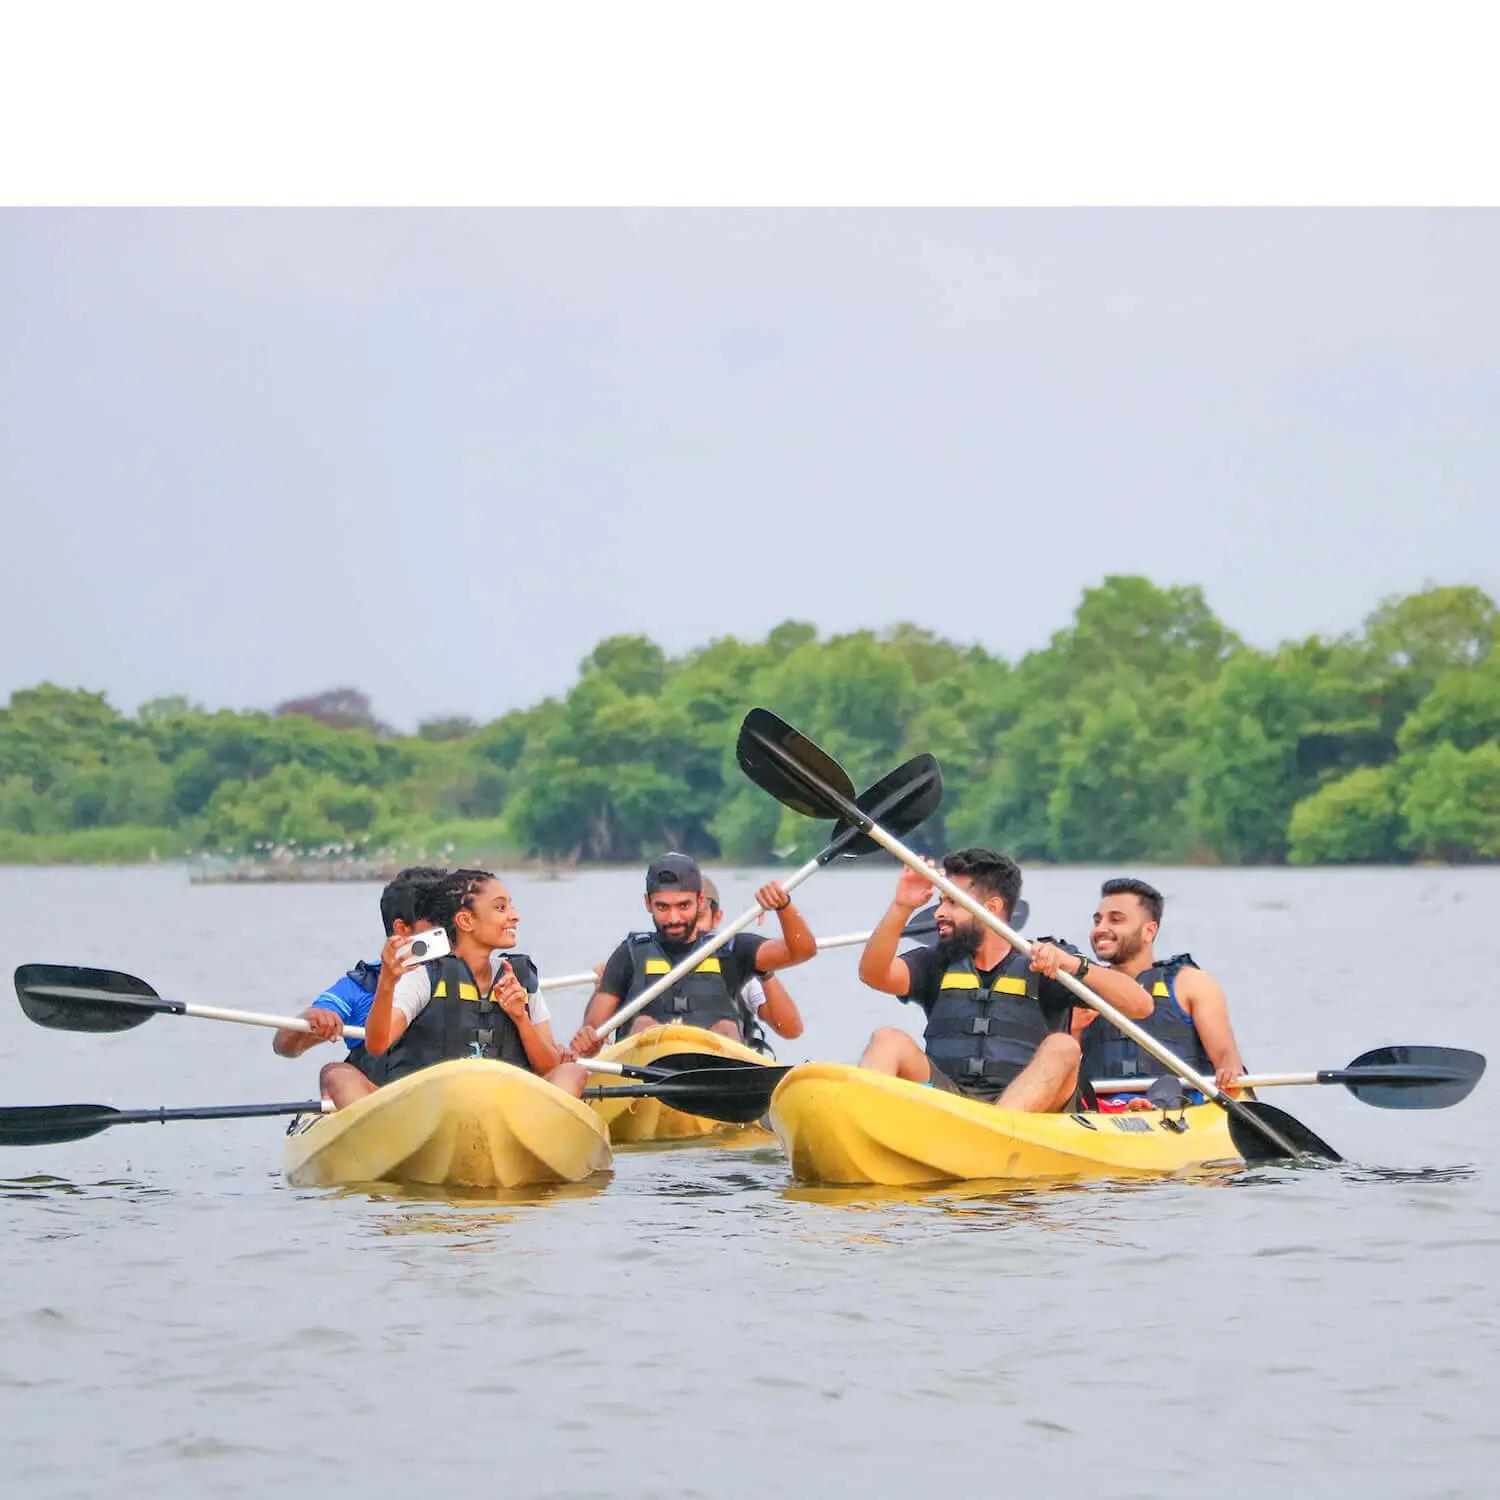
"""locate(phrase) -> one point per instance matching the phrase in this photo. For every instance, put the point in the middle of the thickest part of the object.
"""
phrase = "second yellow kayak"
(842, 1125)
(641, 1119)
(470, 1124)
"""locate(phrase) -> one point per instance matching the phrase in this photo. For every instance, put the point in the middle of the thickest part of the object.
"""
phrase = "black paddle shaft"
(51, 1124)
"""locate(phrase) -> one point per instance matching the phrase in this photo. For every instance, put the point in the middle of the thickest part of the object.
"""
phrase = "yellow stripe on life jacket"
(1160, 991)
(958, 979)
(710, 965)
(465, 991)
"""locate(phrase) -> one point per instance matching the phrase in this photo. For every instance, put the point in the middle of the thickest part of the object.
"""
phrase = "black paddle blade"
(1257, 1146)
(1412, 1077)
(790, 767)
(672, 1064)
(899, 802)
(51, 1124)
(735, 1097)
(59, 996)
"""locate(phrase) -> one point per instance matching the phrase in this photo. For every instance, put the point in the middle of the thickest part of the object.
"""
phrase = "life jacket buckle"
(680, 1004)
(974, 1067)
(980, 1026)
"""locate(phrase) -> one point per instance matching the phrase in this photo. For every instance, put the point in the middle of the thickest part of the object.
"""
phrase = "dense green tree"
(1463, 709)
(1352, 820)
(1143, 730)
(1451, 803)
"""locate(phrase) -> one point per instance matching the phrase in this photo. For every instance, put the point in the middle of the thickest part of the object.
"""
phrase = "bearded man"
(999, 1024)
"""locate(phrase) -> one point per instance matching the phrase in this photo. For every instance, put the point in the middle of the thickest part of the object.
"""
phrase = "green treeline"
(1144, 731)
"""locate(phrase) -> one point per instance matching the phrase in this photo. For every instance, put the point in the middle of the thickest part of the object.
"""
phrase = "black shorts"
(940, 1080)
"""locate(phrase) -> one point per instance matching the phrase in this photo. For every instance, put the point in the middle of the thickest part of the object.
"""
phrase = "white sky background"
(246, 454)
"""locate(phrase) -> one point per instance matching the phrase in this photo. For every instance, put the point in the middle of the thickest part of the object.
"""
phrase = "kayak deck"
(632, 1121)
(471, 1123)
(842, 1125)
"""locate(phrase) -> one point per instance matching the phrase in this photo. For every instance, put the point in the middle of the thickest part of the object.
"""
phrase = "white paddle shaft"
(1142, 1039)
(626, 1012)
(1250, 1081)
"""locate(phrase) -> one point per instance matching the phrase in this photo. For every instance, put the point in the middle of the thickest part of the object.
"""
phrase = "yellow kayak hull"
(842, 1125)
(632, 1121)
(469, 1124)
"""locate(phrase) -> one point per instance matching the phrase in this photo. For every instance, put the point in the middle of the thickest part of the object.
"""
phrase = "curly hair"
(441, 902)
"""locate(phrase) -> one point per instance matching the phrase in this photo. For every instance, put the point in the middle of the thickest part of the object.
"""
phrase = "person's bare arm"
(1120, 990)
(878, 965)
(587, 1040)
(325, 1027)
(780, 1011)
(385, 1025)
(536, 1036)
(1200, 995)
(796, 944)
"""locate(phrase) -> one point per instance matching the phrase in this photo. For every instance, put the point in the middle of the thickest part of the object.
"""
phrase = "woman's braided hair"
(442, 901)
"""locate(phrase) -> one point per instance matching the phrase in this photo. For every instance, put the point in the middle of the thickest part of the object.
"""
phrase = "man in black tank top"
(998, 1023)
(1123, 936)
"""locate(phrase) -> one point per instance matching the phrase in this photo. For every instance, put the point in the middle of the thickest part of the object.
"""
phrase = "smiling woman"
(480, 1000)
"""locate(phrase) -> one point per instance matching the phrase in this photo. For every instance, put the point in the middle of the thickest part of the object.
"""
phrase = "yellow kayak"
(635, 1120)
(472, 1124)
(844, 1125)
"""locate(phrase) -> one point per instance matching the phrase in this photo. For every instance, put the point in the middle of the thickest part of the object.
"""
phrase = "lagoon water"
(177, 1321)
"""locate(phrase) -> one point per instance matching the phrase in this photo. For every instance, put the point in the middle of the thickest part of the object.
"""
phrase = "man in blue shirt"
(346, 1002)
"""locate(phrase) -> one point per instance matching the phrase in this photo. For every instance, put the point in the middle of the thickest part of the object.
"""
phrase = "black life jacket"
(460, 1020)
(367, 977)
(1109, 1053)
(982, 1038)
(701, 997)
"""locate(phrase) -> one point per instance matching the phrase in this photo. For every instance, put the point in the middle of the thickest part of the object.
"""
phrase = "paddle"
(726, 1088)
(921, 928)
(51, 1124)
(906, 796)
(1403, 1077)
(70, 998)
(786, 764)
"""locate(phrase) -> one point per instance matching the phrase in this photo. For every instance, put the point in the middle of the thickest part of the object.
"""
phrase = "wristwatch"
(1083, 967)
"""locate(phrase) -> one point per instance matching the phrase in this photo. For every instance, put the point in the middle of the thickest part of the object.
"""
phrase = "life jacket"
(701, 997)
(982, 1038)
(367, 977)
(460, 1020)
(1109, 1053)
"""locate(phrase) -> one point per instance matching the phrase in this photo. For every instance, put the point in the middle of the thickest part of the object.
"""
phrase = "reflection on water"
(43, 1185)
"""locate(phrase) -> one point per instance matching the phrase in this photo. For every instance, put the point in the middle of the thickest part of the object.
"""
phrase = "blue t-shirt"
(350, 997)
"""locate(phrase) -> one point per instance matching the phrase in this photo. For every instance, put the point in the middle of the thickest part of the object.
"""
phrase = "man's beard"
(678, 938)
(963, 942)
(1126, 948)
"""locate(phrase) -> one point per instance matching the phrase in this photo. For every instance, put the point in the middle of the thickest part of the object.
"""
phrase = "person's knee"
(1064, 1048)
(888, 1036)
(570, 1078)
(332, 1072)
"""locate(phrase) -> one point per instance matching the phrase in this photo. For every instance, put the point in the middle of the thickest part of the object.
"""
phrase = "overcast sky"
(437, 455)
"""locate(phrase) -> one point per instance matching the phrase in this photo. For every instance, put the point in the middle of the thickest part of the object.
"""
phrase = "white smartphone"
(425, 945)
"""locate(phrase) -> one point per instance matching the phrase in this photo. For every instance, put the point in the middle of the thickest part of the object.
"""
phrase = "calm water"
(176, 1320)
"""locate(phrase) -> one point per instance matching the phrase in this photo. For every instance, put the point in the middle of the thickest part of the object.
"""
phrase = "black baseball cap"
(673, 872)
